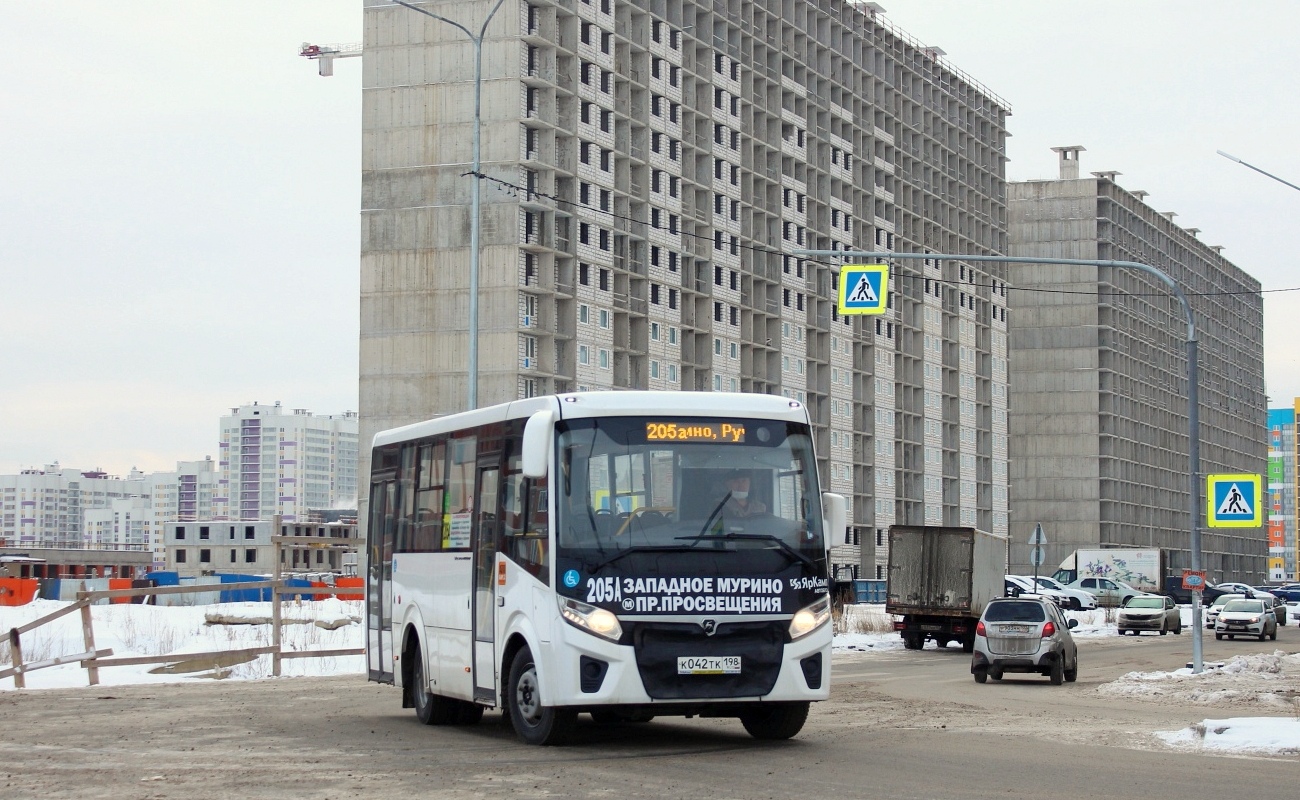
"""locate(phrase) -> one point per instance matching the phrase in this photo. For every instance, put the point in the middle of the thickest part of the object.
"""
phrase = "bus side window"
(526, 532)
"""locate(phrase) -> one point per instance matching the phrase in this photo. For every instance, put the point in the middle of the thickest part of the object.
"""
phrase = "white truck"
(1141, 568)
(940, 579)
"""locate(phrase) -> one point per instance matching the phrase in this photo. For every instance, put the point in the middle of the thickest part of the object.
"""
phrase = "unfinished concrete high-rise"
(1099, 408)
(647, 167)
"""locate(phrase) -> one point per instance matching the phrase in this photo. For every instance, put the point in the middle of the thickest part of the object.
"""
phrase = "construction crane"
(324, 54)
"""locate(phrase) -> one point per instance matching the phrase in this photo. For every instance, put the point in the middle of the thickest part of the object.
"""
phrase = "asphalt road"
(900, 724)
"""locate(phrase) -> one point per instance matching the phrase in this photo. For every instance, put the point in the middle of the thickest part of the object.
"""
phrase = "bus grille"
(759, 645)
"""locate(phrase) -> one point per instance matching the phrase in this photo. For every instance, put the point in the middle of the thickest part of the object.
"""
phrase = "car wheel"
(1179, 630)
(995, 673)
(781, 722)
(1072, 674)
(913, 641)
(1057, 675)
(534, 722)
(1162, 629)
(1218, 636)
(1273, 635)
(981, 675)
(1262, 635)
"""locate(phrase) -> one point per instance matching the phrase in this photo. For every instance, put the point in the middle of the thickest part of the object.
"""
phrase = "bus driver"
(739, 503)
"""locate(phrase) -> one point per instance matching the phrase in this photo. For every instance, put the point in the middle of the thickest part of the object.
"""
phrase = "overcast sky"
(179, 190)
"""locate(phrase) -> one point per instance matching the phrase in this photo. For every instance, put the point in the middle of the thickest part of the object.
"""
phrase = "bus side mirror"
(834, 516)
(539, 431)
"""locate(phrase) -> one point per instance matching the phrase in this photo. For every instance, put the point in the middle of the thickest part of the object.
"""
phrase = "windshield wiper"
(648, 548)
(759, 537)
(716, 512)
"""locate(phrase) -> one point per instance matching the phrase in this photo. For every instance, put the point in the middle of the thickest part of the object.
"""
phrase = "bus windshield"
(681, 485)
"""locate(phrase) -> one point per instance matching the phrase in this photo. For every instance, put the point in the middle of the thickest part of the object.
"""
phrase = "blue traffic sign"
(863, 289)
(1234, 501)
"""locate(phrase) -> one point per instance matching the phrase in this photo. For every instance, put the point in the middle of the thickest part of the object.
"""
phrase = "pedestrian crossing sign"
(1235, 501)
(863, 289)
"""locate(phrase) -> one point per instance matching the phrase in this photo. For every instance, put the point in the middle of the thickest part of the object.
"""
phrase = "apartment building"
(247, 547)
(1282, 541)
(647, 167)
(1099, 390)
(273, 460)
(43, 507)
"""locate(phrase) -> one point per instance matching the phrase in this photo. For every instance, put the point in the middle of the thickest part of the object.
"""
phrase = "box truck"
(939, 580)
(1141, 568)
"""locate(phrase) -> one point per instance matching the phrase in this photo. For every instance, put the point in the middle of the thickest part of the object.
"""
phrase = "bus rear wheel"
(778, 721)
(533, 722)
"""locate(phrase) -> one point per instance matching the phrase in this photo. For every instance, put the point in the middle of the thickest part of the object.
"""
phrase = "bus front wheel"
(780, 721)
(431, 709)
(533, 722)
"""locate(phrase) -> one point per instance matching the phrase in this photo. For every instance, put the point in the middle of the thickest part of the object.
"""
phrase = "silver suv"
(1024, 634)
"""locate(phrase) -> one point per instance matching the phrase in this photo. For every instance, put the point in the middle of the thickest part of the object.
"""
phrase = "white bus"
(600, 553)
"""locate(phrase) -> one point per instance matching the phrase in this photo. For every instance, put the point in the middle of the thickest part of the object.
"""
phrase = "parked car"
(1275, 604)
(1290, 592)
(1245, 617)
(1174, 588)
(1079, 600)
(1243, 589)
(1024, 634)
(1023, 584)
(1212, 611)
(1150, 612)
(1108, 592)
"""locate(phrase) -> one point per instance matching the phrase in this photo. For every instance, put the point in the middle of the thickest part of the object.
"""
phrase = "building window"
(180, 556)
(205, 556)
(180, 533)
(203, 531)
(250, 555)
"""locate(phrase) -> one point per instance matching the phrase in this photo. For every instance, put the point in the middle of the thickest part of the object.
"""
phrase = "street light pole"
(475, 198)
(1193, 400)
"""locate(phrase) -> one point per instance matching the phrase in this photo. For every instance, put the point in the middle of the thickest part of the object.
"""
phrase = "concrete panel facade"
(648, 166)
(1099, 387)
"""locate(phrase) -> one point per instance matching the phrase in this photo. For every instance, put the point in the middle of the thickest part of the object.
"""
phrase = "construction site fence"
(93, 659)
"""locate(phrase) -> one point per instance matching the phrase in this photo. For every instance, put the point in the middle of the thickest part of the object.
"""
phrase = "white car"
(1107, 591)
(1079, 600)
(1213, 609)
(1025, 585)
(1245, 617)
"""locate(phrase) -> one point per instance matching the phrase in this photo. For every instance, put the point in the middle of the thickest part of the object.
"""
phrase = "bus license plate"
(708, 665)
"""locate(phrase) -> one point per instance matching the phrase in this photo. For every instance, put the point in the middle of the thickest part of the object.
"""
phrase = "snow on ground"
(1269, 683)
(139, 630)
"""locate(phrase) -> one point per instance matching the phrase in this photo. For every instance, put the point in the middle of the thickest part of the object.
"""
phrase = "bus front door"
(485, 533)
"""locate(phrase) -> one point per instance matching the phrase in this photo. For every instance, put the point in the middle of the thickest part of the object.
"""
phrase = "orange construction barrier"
(120, 583)
(18, 591)
(358, 582)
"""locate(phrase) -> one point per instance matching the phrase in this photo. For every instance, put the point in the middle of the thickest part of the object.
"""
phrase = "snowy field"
(1266, 683)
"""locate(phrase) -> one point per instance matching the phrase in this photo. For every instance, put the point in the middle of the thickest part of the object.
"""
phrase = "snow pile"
(1265, 680)
(1247, 735)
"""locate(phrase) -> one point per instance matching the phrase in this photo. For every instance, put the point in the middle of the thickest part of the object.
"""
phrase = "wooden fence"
(93, 659)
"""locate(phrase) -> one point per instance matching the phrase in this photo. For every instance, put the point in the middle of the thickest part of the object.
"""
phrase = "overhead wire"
(515, 190)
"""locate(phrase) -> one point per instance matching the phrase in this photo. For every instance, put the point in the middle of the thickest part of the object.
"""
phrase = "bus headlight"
(810, 618)
(591, 619)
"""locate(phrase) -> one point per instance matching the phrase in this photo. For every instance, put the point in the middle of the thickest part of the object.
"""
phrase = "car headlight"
(810, 618)
(591, 619)
(1252, 620)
